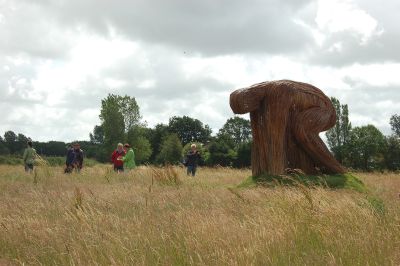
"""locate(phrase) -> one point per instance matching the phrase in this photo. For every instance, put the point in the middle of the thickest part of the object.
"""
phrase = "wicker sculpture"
(286, 118)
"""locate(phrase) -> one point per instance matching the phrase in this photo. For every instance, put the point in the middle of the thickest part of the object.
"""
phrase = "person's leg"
(189, 169)
(119, 169)
(194, 170)
(30, 168)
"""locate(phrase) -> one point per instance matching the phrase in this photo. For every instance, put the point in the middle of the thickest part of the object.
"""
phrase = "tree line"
(364, 147)
(121, 121)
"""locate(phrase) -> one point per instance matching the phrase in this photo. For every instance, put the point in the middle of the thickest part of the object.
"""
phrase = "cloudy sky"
(59, 58)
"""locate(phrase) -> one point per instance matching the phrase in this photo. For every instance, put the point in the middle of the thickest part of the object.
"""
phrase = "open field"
(144, 217)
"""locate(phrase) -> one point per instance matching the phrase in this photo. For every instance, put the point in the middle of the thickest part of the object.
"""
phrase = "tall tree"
(338, 136)
(10, 138)
(21, 142)
(3, 147)
(189, 129)
(137, 138)
(222, 151)
(392, 154)
(97, 137)
(130, 111)
(367, 146)
(395, 123)
(156, 135)
(112, 122)
(171, 150)
(239, 129)
(244, 155)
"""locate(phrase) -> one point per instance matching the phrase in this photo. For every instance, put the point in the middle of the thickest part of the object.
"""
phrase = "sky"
(60, 58)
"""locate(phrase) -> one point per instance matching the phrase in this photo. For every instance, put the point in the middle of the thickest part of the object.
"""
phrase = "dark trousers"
(118, 168)
(191, 170)
(28, 167)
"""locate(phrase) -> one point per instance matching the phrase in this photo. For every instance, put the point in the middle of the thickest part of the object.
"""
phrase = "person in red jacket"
(118, 154)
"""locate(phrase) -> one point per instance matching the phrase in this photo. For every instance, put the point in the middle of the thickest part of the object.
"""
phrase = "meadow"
(160, 216)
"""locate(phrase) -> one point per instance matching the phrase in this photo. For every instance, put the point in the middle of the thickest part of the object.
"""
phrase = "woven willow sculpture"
(286, 118)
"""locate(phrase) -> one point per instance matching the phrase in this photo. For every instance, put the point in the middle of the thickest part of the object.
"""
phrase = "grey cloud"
(26, 28)
(383, 48)
(375, 103)
(207, 27)
(171, 94)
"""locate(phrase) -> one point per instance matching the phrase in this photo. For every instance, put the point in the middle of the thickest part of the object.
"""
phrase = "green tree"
(136, 137)
(3, 147)
(171, 150)
(189, 129)
(156, 136)
(338, 136)
(366, 146)
(222, 151)
(20, 143)
(130, 111)
(392, 154)
(118, 115)
(10, 139)
(51, 148)
(243, 155)
(112, 121)
(97, 137)
(395, 123)
(239, 129)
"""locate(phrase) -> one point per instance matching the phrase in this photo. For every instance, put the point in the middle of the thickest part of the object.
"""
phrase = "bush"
(10, 160)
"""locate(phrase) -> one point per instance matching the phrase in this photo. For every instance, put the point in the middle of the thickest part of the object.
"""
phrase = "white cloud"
(58, 62)
(343, 15)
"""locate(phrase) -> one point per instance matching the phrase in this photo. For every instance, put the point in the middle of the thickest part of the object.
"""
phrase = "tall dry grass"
(153, 216)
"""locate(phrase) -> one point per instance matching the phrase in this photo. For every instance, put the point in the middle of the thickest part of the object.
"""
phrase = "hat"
(127, 145)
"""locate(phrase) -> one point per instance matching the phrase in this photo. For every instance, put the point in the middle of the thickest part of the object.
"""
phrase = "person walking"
(29, 157)
(129, 158)
(116, 158)
(69, 160)
(78, 157)
(192, 160)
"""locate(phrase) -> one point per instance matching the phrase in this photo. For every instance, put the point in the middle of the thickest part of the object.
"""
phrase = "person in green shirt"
(29, 157)
(129, 158)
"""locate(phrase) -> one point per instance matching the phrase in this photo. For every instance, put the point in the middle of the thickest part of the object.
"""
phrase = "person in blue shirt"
(69, 160)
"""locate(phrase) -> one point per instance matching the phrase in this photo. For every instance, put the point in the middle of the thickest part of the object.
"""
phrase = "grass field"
(160, 216)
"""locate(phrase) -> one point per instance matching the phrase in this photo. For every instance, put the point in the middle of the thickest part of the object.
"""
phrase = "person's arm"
(128, 156)
(113, 157)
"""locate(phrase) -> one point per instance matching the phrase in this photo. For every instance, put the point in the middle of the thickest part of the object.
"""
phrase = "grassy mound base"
(338, 181)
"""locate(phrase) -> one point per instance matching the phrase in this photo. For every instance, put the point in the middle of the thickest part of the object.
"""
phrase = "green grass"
(10, 160)
(338, 181)
(51, 160)
(141, 217)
